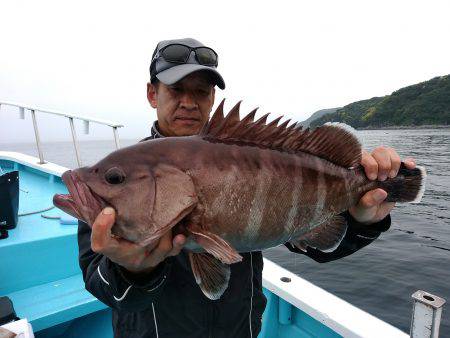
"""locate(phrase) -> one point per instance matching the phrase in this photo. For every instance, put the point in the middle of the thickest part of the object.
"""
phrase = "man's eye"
(203, 92)
(176, 89)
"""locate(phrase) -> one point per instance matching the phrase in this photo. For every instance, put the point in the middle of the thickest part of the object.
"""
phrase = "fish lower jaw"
(66, 204)
(156, 235)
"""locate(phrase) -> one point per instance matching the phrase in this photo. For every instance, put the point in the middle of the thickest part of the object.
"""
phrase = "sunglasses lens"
(176, 53)
(206, 56)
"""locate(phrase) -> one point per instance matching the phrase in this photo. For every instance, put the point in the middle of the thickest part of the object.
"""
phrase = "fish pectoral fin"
(210, 274)
(215, 245)
(326, 237)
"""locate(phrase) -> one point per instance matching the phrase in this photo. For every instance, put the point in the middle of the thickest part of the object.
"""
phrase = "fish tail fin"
(407, 186)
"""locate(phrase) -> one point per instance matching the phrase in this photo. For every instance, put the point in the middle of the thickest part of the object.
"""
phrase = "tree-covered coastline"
(423, 104)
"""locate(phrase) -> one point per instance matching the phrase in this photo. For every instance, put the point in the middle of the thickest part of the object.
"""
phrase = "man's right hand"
(134, 258)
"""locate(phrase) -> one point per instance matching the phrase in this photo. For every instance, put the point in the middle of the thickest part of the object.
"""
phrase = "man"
(154, 294)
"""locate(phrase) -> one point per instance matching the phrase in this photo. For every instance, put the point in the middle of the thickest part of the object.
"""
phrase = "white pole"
(116, 137)
(86, 127)
(426, 316)
(38, 140)
(75, 142)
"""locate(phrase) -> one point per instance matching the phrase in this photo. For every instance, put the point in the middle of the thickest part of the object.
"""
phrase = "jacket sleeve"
(357, 236)
(111, 284)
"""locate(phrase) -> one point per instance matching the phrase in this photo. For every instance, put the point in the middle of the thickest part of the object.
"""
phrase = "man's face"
(182, 108)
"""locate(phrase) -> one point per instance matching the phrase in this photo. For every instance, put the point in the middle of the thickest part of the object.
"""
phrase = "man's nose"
(187, 101)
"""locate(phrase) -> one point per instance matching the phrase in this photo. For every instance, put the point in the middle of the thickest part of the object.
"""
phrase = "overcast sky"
(290, 58)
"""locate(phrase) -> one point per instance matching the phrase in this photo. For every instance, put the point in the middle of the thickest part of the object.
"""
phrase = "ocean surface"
(380, 278)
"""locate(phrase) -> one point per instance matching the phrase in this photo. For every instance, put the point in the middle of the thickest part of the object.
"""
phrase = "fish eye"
(114, 175)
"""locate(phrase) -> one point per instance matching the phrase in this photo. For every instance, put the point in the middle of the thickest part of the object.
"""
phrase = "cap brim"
(175, 74)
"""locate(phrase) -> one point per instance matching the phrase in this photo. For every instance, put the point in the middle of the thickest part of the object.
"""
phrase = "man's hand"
(384, 162)
(132, 257)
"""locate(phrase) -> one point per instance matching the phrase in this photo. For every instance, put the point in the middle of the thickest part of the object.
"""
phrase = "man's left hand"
(384, 162)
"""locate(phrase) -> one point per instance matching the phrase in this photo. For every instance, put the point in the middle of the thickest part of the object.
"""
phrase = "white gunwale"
(339, 315)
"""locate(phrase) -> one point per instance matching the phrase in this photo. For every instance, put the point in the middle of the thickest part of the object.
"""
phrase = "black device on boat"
(9, 202)
(7, 312)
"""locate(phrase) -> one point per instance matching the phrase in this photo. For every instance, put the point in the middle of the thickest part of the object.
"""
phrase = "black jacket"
(169, 303)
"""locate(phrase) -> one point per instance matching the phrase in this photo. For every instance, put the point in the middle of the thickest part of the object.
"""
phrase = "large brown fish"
(238, 186)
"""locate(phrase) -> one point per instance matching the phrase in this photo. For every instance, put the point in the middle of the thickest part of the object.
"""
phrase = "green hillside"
(316, 115)
(425, 103)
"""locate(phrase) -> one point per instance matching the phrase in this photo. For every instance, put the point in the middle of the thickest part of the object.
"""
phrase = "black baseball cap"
(171, 72)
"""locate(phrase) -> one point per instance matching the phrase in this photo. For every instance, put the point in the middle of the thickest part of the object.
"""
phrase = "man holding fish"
(149, 281)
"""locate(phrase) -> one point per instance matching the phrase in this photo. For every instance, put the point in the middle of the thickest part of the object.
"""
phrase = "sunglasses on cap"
(179, 53)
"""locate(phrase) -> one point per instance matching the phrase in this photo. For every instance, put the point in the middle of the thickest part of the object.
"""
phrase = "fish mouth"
(81, 202)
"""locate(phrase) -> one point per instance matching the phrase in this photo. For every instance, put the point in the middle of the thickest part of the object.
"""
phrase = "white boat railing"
(71, 118)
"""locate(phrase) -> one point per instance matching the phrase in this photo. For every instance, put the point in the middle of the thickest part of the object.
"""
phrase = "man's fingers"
(372, 198)
(383, 158)
(101, 229)
(163, 248)
(370, 165)
(177, 243)
(410, 163)
(395, 163)
(384, 210)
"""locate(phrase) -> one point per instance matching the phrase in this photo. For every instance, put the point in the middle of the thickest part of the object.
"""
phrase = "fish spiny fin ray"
(211, 275)
(229, 123)
(215, 245)
(326, 237)
(335, 142)
(215, 121)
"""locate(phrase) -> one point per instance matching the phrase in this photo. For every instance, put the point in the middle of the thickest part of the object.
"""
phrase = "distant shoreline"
(425, 126)
(131, 141)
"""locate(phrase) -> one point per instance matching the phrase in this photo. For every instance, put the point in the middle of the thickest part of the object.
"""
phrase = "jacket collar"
(155, 131)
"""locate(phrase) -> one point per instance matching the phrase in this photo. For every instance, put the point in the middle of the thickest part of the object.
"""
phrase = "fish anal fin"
(211, 275)
(325, 237)
(334, 142)
(215, 245)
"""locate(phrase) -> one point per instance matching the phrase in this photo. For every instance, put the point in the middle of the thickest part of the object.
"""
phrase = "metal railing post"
(38, 141)
(86, 120)
(75, 142)
(116, 137)
(426, 316)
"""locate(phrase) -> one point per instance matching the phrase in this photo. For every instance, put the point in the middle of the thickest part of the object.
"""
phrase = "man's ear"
(151, 95)
(213, 96)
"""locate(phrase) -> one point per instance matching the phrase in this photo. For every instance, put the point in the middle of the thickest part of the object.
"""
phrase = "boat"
(40, 273)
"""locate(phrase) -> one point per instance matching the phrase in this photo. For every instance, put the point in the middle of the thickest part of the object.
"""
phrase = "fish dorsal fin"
(228, 124)
(335, 142)
(215, 120)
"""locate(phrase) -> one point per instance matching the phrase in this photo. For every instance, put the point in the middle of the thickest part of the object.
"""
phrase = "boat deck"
(37, 192)
(40, 256)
